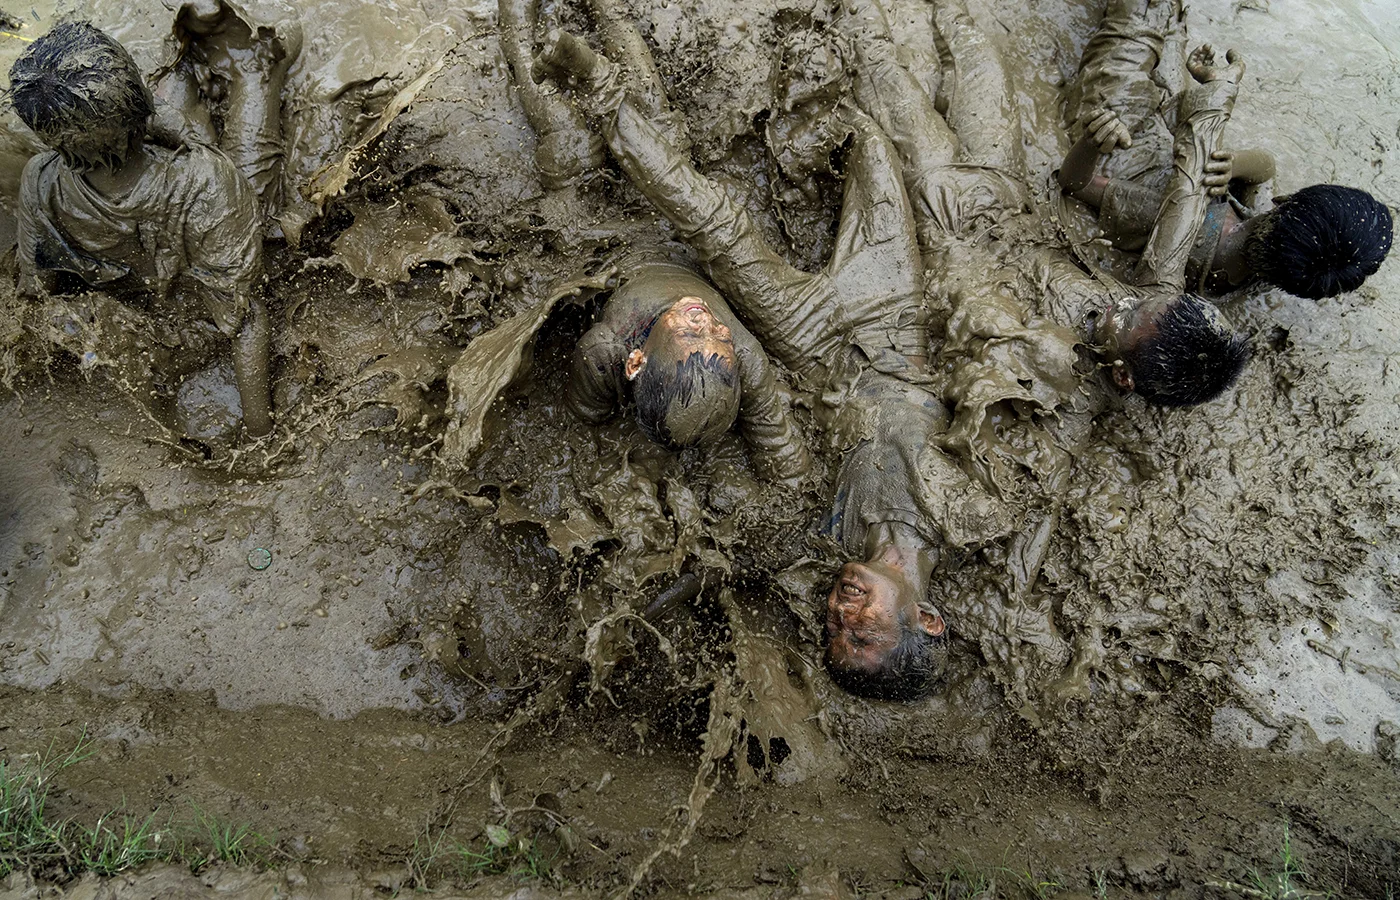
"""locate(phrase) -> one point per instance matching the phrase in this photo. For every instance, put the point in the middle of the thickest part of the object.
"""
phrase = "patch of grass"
(28, 839)
(961, 883)
(505, 854)
(1286, 882)
(236, 843)
(31, 839)
(118, 843)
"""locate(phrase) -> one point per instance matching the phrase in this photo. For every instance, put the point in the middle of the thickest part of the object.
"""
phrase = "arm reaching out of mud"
(1205, 108)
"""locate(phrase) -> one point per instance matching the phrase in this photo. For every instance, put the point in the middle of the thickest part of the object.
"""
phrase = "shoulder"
(39, 172)
(205, 169)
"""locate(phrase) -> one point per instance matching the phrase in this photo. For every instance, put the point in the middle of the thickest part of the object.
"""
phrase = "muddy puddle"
(433, 605)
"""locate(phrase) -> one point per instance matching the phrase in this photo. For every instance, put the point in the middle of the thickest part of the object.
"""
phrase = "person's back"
(113, 210)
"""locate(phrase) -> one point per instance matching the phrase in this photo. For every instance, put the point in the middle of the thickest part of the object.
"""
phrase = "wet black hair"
(1322, 241)
(1191, 357)
(906, 673)
(79, 90)
(699, 377)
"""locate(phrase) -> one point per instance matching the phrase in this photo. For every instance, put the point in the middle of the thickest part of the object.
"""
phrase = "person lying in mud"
(856, 333)
(667, 341)
(106, 208)
(1318, 242)
(964, 174)
(984, 257)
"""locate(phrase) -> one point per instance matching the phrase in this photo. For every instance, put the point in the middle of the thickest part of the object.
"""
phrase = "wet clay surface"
(459, 588)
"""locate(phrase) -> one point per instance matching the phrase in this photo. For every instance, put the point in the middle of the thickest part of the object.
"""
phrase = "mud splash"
(456, 547)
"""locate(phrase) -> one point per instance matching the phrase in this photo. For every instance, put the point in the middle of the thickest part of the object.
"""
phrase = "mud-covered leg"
(566, 147)
(891, 95)
(252, 59)
(980, 108)
(251, 352)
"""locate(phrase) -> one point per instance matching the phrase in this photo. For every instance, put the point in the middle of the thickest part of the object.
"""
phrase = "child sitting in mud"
(117, 212)
(1318, 242)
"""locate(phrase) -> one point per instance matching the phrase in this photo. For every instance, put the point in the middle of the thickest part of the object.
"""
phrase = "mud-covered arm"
(593, 392)
(1205, 108)
(765, 291)
(765, 415)
(1115, 69)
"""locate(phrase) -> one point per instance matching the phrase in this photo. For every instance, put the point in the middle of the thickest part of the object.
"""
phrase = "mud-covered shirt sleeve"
(777, 301)
(222, 226)
(1115, 70)
(1128, 212)
(594, 390)
(1204, 110)
(765, 414)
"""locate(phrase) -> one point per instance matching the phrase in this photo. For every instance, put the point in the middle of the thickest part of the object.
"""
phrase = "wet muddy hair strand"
(698, 378)
(1191, 358)
(80, 91)
(908, 672)
(1322, 241)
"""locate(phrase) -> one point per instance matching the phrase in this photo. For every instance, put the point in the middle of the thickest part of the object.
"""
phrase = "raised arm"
(765, 291)
(1205, 108)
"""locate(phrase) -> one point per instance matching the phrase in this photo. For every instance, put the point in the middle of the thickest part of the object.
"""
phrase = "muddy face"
(868, 612)
(687, 327)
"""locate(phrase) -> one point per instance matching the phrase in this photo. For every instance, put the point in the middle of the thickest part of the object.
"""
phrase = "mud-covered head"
(879, 642)
(1322, 241)
(82, 94)
(685, 377)
(1172, 350)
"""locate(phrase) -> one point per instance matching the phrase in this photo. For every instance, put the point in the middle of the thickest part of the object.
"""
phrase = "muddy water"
(432, 622)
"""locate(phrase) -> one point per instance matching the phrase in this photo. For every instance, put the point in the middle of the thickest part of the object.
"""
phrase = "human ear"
(932, 623)
(636, 361)
(1122, 375)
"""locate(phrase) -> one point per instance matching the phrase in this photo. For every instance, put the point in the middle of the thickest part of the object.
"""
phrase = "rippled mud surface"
(469, 615)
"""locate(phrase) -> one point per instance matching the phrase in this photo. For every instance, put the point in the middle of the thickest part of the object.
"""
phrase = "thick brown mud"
(459, 624)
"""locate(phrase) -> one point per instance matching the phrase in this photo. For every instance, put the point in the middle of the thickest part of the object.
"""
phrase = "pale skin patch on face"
(864, 612)
(692, 327)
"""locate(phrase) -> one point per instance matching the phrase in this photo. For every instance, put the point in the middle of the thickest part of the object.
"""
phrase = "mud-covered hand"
(1214, 87)
(1201, 65)
(1219, 172)
(1105, 129)
(598, 87)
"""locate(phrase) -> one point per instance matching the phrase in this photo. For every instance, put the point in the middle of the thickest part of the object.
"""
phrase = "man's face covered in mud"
(879, 641)
(685, 377)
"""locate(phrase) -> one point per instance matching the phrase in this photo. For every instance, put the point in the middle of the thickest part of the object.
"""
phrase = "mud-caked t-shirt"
(894, 471)
(190, 217)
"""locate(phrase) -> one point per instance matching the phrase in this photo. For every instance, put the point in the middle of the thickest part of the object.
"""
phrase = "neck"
(1230, 252)
(901, 547)
(123, 177)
